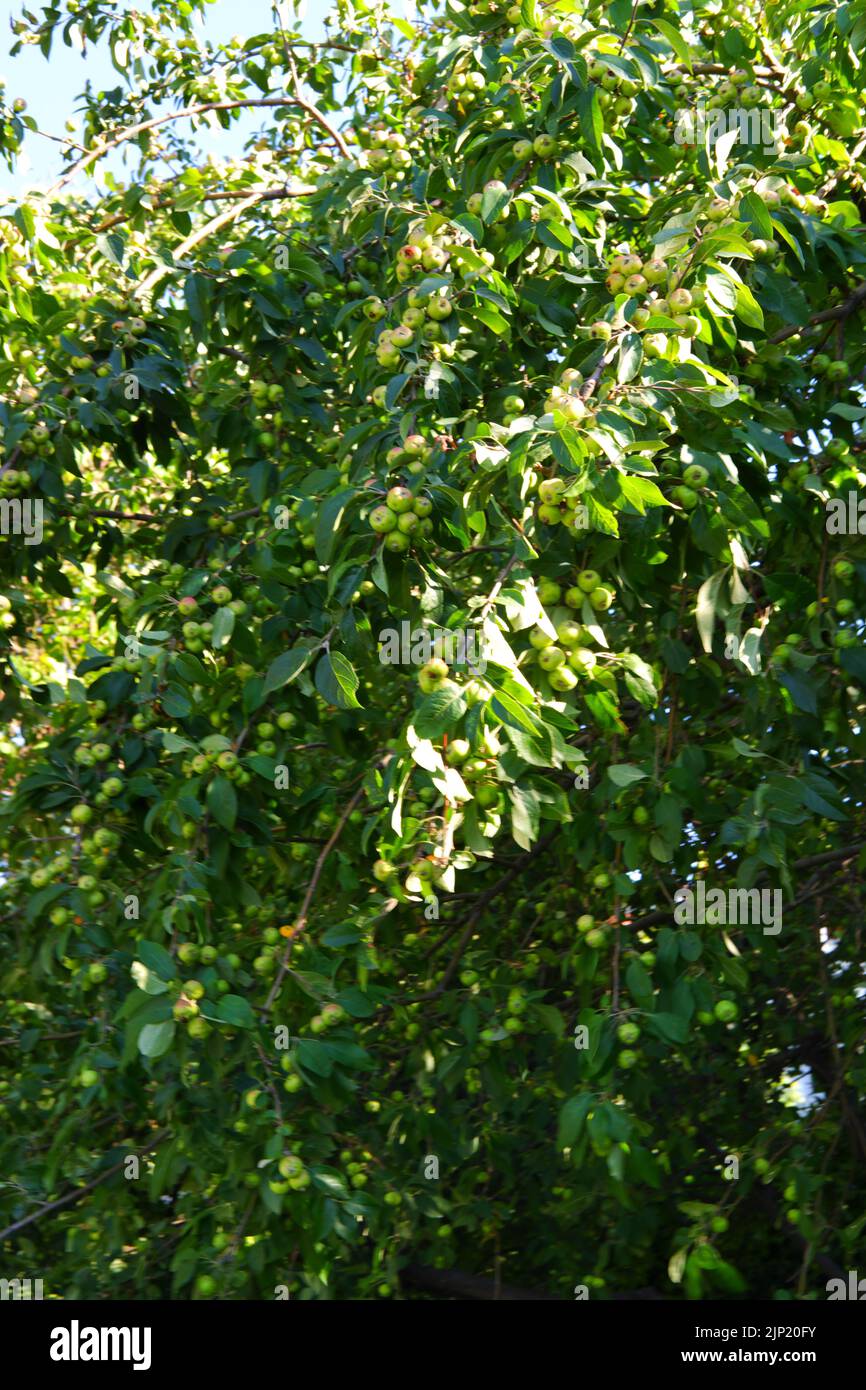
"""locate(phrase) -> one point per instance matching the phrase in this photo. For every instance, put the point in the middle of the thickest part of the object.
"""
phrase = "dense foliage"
(505, 324)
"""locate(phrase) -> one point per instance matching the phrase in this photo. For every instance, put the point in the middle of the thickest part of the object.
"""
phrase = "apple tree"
(432, 541)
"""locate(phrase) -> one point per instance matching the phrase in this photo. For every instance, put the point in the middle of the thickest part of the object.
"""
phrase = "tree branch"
(839, 312)
(139, 129)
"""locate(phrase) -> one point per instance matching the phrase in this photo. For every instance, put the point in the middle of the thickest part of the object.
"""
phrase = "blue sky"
(51, 86)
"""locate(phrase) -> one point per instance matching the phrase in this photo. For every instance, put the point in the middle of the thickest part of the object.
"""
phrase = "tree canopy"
(431, 543)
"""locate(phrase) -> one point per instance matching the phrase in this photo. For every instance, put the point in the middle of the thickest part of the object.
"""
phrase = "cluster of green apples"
(557, 505)
(564, 399)
(615, 92)
(465, 84)
(412, 455)
(833, 368)
(569, 658)
(14, 480)
(653, 283)
(403, 518)
(420, 320)
(89, 862)
(388, 152)
(687, 493)
(95, 755)
(196, 633)
(844, 572)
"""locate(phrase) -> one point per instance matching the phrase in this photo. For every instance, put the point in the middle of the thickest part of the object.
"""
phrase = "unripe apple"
(568, 633)
(655, 345)
(601, 598)
(695, 475)
(550, 657)
(725, 1010)
(551, 489)
(433, 675)
(654, 271)
(601, 330)
(687, 498)
(399, 499)
(522, 149)
(838, 370)
(582, 660)
(187, 605)
(545, 146)
(679, 300)
(562, 679)
(549, 592)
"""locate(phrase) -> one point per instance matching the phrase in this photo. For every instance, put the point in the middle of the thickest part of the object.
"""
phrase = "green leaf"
(155, 1039)
(637, 981)
(675, 39)
(223, 626)
(705, 607)
(624, 774)
(439, 712)
(328, 524)
(572, 1117)
(525, 815)
(591, 119)
(222, 802)
(754, 210)
(337, 681)
(157, 959)
(670, 1027)
(801, 690)
(235, 1010)
(630, 357)
(748, 309)
(285, 668)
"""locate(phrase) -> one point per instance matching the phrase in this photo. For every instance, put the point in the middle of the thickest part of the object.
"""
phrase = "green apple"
(433, 675)
(545, 146)
(551, 657)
